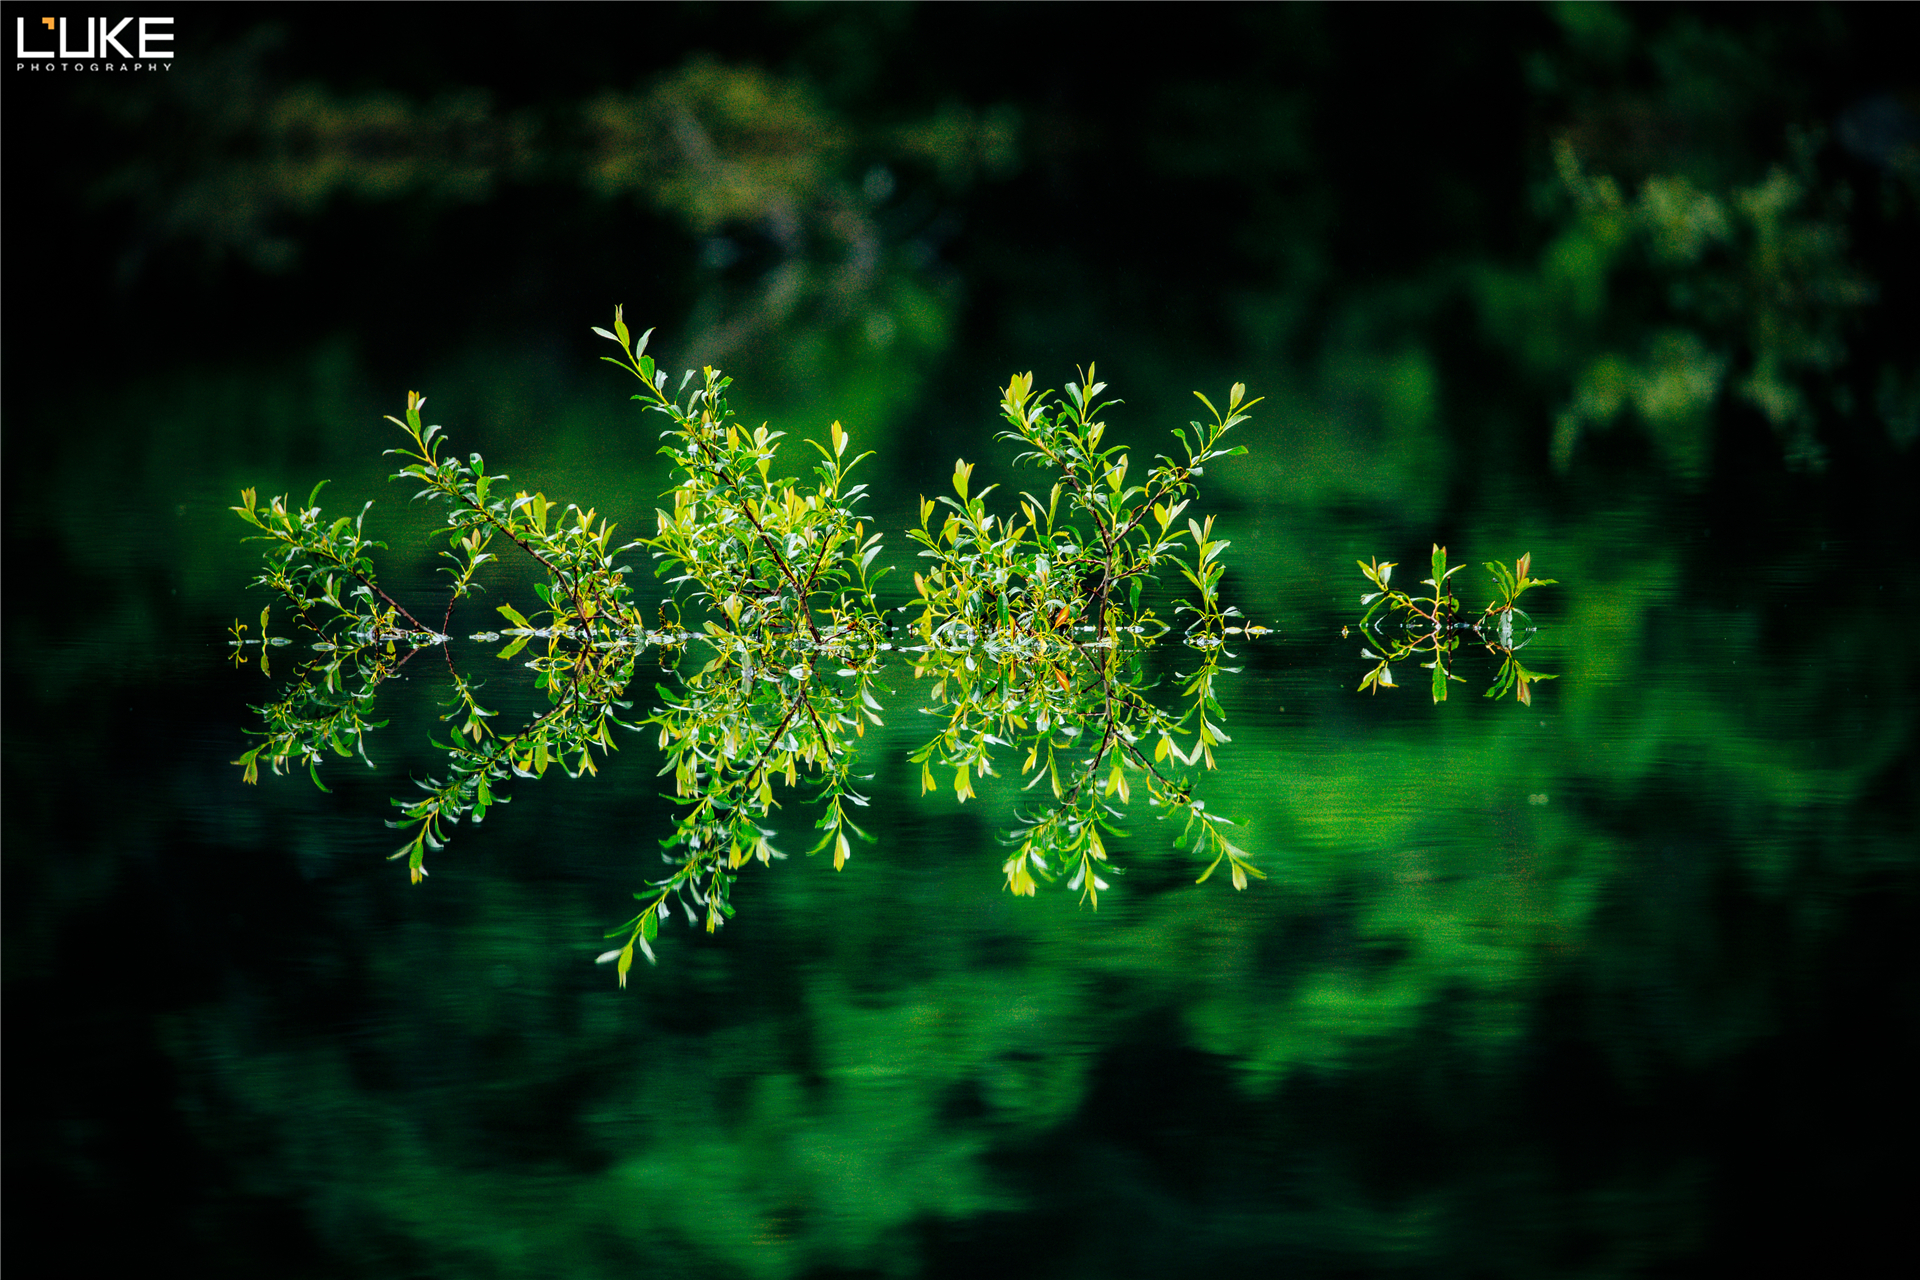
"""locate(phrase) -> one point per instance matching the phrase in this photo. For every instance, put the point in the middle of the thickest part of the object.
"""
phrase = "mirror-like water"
(1516, 978)
(1608, 974)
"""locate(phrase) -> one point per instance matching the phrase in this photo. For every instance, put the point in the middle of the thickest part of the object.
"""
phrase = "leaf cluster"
(586, 595)
(732, 735)
(589, 626)
(1433, 626)
(1081, 557)
(327, 708)
(769, 559)
(1086, 726)
(324, 569)
(776, 574)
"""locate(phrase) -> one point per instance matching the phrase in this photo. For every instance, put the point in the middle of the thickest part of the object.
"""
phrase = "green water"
(1616, 983)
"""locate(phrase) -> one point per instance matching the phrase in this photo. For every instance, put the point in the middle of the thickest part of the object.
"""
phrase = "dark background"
(223, 274)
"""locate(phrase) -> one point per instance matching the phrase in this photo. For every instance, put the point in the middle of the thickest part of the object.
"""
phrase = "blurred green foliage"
(1750, 280)
(1620, 986)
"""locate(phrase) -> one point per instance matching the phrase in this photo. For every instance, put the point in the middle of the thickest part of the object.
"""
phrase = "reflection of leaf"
(1088, 740)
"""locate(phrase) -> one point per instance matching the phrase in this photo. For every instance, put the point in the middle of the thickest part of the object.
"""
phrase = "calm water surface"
(1597, 985)
(1620, 983)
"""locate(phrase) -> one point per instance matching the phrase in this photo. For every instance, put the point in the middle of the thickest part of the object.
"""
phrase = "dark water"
(1609, 981)
(1617, 983)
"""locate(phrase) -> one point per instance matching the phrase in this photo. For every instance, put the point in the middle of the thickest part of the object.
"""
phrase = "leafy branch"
(778, 575)
(1087, 728)
(1432, 626)
(1082, 556)
(769, 556)
(730, 734)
